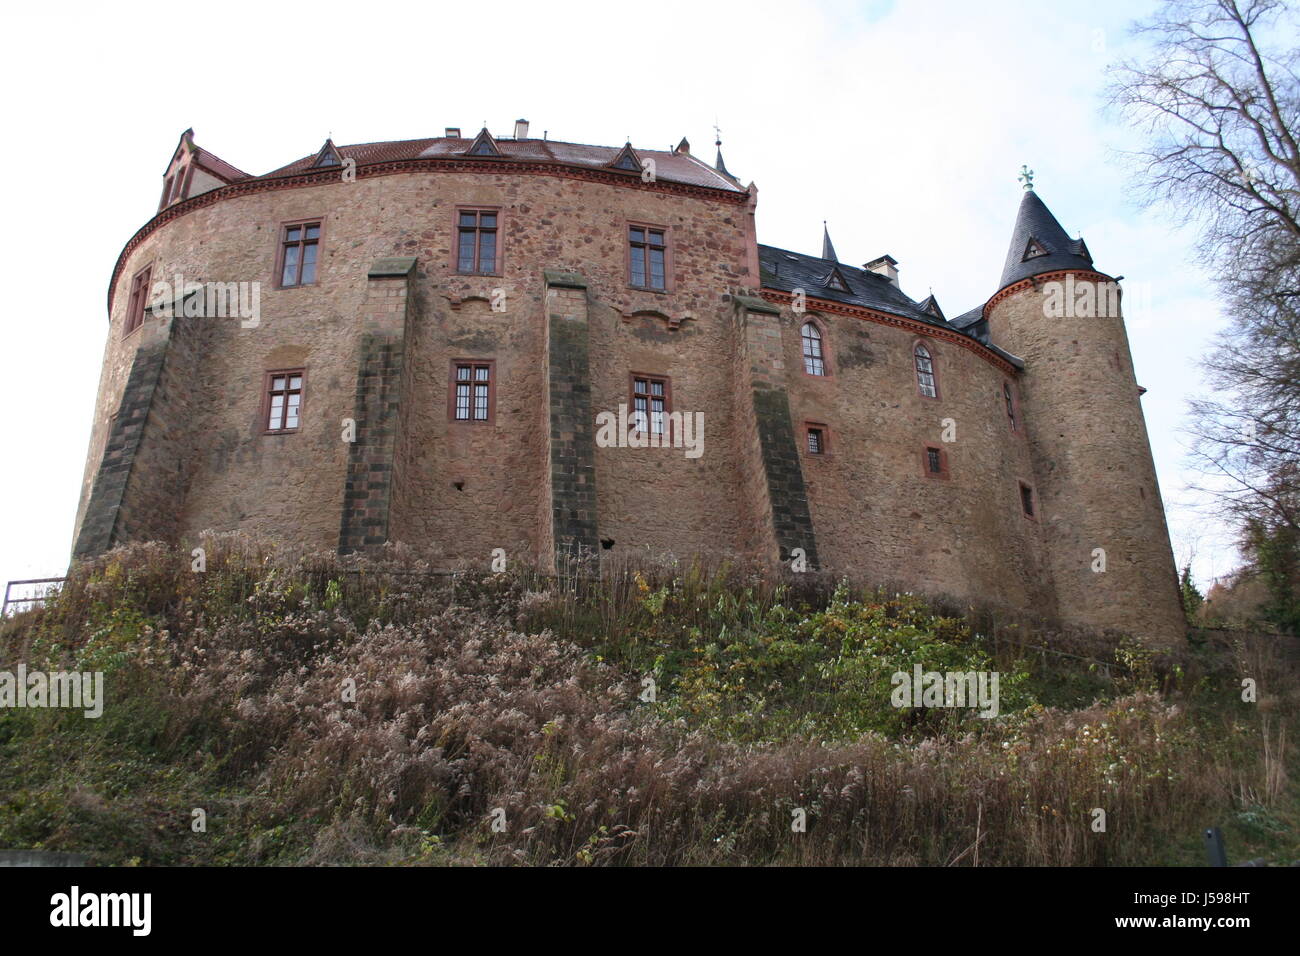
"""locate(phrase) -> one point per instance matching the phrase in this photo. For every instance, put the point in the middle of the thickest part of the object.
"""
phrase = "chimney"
(886, 266)
(452, 132)
(521, 129)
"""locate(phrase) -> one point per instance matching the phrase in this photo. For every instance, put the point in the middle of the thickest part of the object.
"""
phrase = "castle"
(488, 342)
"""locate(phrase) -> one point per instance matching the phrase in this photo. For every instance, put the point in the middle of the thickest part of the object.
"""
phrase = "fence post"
(1216, 854)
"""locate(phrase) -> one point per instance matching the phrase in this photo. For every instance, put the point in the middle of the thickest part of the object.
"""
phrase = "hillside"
(323, 711)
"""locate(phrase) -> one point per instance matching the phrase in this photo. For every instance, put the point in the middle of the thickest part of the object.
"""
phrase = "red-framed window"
(299, 252)
(1009, 399)
(473, 391)
(816, 439)
(1028, 501)
(814, 351)
(927, 382)
(647, 257)
(139, 301)
(282, 410)
(651, 404)
(477, 247)
(934, 461)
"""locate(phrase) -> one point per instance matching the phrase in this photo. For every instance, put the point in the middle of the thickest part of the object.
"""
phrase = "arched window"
(814, 359)
(925, 380)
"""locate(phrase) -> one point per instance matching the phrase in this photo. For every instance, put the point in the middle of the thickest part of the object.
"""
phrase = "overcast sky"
(902, 123)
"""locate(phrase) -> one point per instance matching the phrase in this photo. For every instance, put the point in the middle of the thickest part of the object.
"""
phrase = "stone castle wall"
(565, 333)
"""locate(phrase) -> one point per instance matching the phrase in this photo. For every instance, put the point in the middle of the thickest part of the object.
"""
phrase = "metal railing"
(34, 599)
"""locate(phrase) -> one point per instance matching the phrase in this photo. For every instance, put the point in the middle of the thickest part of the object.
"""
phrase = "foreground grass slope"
(320, 711)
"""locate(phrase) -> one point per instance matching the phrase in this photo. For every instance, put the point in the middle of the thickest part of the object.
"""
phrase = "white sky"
(902, 123)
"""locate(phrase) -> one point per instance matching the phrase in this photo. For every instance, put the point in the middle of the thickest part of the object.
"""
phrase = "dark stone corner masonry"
(572, 427)
(368, 487)
(791, 518)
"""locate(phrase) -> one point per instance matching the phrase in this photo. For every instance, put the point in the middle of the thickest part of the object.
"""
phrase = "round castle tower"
(1106, 541)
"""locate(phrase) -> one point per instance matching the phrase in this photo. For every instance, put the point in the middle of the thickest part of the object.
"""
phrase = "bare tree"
(1218, 103)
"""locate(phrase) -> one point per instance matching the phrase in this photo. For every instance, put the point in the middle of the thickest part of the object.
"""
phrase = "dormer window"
(483, 145)
(1033, 249)
(627, 159)
(836, 281)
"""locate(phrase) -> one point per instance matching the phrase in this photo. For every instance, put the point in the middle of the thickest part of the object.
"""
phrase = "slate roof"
(669, 166)
(1034, 221)
(786, 271)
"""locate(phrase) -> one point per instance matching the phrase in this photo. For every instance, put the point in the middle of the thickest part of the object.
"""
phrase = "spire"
(718, 164)
(1039, 244)
(828, 250)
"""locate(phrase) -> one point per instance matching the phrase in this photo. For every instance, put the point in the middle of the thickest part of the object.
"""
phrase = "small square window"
(816, 439)
(934, 461)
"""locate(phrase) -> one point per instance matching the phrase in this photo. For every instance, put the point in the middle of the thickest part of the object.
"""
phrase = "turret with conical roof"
(1093, 491)
(1039, 244)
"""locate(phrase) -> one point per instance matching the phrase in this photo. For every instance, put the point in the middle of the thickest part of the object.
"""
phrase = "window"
(284, 400)
(476, 241)
(1026, 500)
(472, 398)
(934, 462)
(814, 359)
(167, 192)
(647, 262)
(650, 404)
(298, 254)
(1009, 398)
(926, 382)
(816, 439)
(140, 288)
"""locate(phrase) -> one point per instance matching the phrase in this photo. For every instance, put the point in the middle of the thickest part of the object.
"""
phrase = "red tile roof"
(669, 166)
(218, 166)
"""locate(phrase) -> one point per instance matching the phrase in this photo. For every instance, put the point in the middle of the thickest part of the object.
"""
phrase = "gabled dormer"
(193, 171)
(626, 159)
(328, 156)
(837, 281)
(1033, 249)
(483, 145)
(930, 305)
